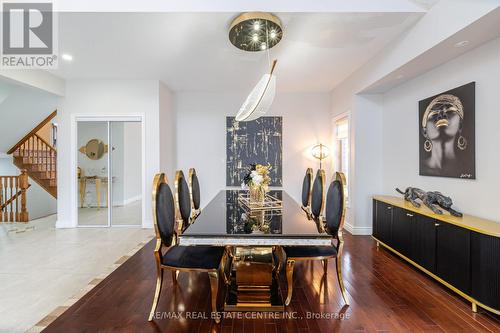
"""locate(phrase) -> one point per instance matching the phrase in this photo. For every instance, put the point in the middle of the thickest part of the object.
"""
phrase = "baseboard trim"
(357, 231)
(133, 199)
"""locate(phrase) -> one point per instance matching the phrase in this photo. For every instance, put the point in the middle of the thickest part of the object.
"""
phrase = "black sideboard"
(461, 253)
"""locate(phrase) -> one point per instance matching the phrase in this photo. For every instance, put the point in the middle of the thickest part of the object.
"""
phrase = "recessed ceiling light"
(263, 46)
(462, 43)
(67, 57)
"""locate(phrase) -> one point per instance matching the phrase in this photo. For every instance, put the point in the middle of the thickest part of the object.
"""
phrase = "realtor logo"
(28, 35)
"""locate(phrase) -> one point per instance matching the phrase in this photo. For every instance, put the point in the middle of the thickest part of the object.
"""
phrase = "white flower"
(257, 179)
(244, 186)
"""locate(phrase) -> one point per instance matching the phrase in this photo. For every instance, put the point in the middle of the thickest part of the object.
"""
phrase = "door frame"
(139, 117)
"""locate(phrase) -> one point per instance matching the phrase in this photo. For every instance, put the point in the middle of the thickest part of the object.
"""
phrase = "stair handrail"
(21, 185)
(45, 142)
(14, 197)
(32, 132)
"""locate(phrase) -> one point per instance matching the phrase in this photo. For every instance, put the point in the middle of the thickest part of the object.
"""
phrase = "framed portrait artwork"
(447, 134)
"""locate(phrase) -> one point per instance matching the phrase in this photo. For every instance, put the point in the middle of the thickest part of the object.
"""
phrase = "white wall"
(400, 136)
(168, 130)
(21, 110)
(201, 135)
(39, 202)
(101, 98)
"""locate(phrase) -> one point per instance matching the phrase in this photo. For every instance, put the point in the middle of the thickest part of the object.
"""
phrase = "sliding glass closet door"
(109, 173)
(92, 173)
(126, 173)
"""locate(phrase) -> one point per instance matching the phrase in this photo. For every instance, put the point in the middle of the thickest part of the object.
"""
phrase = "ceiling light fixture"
(260, 98)
(264, 31)
(462, 43)
(265, 26)
(67, 57)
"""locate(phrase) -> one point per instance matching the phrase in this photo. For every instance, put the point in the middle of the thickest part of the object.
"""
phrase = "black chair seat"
(201, 257)
(310, 251)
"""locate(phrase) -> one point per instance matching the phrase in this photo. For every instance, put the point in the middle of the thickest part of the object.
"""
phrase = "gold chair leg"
(214, 288)
(225, 259)
(159, 282)
(289, 279)
(338, 263)
(325, 266)
(175, 274)
(279, 254)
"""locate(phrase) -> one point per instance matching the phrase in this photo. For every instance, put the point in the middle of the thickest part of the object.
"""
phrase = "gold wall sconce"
(320, 151)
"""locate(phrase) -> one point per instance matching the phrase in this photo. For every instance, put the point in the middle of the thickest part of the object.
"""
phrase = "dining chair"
(194, 194)
(333, 225)
(318, 199)
(176, 258)
(307, 184)
(182, 202)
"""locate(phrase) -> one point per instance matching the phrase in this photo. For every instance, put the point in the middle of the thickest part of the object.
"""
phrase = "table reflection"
(241, 220)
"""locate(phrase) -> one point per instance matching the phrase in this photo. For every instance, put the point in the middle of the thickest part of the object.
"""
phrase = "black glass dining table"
(225, 221)
(254, 238)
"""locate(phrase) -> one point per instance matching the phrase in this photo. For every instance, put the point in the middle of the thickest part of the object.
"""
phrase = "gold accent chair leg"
(159, 282)
(289, 279)
(474, 307)
(214, 288)
(338, 263)
(225, 259)
(325, 266)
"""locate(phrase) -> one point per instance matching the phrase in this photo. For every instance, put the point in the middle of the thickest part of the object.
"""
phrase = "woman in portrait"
(442, 125)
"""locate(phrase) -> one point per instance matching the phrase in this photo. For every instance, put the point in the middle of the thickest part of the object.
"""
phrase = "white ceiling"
(191, 51)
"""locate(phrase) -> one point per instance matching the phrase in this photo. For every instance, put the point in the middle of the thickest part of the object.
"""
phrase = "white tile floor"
(122, 215)
(41, 268)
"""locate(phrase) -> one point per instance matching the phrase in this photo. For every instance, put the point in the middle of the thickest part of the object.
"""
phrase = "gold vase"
(257, 195)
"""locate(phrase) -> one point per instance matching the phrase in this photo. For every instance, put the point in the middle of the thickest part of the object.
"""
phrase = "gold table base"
(254, 286)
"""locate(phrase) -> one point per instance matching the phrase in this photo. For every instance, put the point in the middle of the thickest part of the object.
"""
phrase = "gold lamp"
(320, 151)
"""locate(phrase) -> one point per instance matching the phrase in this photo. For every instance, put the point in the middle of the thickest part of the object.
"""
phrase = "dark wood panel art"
(258, 141)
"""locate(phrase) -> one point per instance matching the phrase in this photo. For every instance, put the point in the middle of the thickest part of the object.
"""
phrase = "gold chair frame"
(178, 216)
(194, 212)
(213, 274)
(307, 209)
(339, 176)
(320, 219)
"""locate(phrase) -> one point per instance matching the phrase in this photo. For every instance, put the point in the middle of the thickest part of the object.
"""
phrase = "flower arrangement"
(257, 175)
(257, 180)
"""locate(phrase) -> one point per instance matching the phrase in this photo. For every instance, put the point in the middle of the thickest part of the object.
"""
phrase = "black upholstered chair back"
(194, 186)
(163, 210)
(335, 205)
(182, 198)
(307, 188)
(318, 194)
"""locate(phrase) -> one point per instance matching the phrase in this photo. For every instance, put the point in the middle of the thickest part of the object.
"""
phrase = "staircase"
(34, 154)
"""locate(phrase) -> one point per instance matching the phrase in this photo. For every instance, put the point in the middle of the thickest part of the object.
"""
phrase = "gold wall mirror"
(94, 149)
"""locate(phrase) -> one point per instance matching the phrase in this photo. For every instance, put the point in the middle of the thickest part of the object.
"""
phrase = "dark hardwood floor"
(386, 294)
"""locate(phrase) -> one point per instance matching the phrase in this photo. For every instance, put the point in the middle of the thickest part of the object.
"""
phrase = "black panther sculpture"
(430, 199)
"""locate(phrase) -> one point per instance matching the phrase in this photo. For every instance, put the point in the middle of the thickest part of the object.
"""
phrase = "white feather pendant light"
(260, 99)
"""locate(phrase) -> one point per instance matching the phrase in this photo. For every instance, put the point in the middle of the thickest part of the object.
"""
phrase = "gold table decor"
(269, 202)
